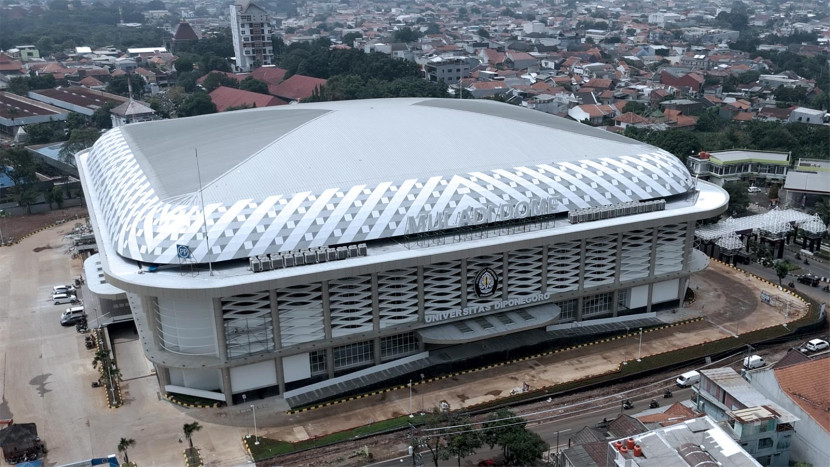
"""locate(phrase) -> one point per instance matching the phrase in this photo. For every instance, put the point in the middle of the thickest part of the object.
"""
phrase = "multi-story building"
(758, 167)
(449, 69)
(323, 248)
(251, 30)
(762, 428)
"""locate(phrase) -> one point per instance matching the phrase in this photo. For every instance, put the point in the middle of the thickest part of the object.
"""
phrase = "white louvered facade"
(493, 253)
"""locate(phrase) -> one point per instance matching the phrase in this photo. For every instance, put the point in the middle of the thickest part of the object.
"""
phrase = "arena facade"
(307, 250)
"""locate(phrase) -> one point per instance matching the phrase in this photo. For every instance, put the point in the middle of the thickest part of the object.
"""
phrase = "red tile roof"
(7, 64)
(272, 76)
(91, 82)
(298, 87)
(676, 413)
(743, 116)
(230, 97)
(631, 117)
(806, 384)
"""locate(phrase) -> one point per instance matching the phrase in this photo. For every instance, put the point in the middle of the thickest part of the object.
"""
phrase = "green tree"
(189, 429)
(79, 139)
(349, 38)
(405, 34)
(75, 120)
(483, 33)
(464, 441)
(520, 446)
(214, 80)
(738, 197)
(634, 106)
(773, 191)
(254, 85)
(123, 446)
(101, 117)
(782, 269)
(197, 104)
(709, 120)
(19, 85)
(19, 165)
(55, 196)
(525, 447)
(46, 132)
(183, 65)
(822, 208)
(119, 85)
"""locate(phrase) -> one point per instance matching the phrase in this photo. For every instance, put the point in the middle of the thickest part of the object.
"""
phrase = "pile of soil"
(17, 227)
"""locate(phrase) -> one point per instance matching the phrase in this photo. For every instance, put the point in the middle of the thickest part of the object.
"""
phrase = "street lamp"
(640, 347)
(410, 400)
(256, 435)
(422, 393)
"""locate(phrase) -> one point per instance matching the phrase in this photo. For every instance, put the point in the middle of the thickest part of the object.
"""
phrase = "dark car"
(809, 279)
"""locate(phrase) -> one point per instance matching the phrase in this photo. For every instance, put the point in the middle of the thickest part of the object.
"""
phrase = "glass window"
(318, 362)
(353, 355)
(764, 443)
(597, 305)
(400, 344)
(568, 308)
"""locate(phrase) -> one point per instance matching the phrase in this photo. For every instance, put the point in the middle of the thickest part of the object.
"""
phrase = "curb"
(29, 234)
(494, 365)
(188, 405)
(186, 461)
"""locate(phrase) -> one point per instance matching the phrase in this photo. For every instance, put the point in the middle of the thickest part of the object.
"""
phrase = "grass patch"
(268, 448)
(184, 399)
(192, 457)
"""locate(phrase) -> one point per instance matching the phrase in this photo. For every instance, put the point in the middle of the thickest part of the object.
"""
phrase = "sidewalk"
(727, 299)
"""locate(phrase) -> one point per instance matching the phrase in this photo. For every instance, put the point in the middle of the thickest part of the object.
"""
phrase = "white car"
(815, 345)
(68, 288)
(60, 298)
(754, 189)
(753, 362)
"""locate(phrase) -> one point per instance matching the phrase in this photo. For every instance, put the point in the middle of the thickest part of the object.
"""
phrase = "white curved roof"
(289, 177)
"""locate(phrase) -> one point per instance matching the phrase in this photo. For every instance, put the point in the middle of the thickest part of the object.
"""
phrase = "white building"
(316, 249)
(805, 115)
(251, 29)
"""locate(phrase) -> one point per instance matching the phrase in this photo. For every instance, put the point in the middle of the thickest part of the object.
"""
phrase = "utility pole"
(640, 347)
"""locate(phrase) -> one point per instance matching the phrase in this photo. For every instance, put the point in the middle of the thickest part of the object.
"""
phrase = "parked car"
(61, 298)
(753, 362)
(754, 189)
(73, 315)
(815, 345)
(809, 279)
(688, 378)
(67, 288)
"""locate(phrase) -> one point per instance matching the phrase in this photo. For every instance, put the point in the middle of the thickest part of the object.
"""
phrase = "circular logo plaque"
(486, 283)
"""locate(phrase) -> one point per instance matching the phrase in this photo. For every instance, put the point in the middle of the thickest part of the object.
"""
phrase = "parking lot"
(47, 374)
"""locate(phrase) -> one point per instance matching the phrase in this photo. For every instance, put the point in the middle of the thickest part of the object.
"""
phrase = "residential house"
(799, 384)
(630, 119)
(520, 60)
(481, 89)
(593, 114)
(762, 427)
(270, 75)
(298, 87)
(693, 81)
(758, 167)
(805, 115)
(774, 114)
(132, 111)
(224, 98)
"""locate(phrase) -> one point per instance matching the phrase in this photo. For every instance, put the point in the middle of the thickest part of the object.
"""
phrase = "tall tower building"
(251, 36)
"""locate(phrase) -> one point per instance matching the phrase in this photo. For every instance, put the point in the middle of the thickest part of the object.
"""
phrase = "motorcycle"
(653, 404)
(627, 404)
(826, 288)
(667, 394)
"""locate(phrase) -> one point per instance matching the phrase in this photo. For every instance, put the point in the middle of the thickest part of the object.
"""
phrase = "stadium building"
(307, 251)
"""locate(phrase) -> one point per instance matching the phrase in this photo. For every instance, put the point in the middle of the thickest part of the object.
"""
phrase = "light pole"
(422, 393)
(410, 400)
(256, 435)
(640, 347)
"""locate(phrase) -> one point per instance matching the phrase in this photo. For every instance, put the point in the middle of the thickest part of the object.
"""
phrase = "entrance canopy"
(482, 327)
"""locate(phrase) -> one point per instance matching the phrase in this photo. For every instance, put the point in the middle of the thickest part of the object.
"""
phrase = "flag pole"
(202, 203)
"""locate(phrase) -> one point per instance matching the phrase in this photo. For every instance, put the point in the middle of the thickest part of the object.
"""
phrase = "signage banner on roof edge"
(480, 309)
(483, 214)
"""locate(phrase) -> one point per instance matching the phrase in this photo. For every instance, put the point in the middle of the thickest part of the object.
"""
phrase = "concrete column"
(421, 294)
(163, 376)
(650, 293)
(780, 245)
(326, 310)
(375, 303)
(280, 374)
(804, 242)
(463, 282)
(148, 305)
(544, 277)
(688, 245)
(653, 259)
(330, 362)
(227, 390)
(817, 245)
(615, 303)
(275, 319)
(579, 303)
(504, 276)
(581, 285)
(617, 265)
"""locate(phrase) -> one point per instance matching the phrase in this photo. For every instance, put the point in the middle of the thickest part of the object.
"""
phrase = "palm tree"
(189, 429)
(123, 445)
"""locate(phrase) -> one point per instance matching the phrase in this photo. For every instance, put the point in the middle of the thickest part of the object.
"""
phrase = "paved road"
(46, 375)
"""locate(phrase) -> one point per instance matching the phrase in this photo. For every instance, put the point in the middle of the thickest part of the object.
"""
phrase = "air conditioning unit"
(310, 257)
(255, 266)
(299, 259)
(289, 261)
(342, 252)
(353, 251)
(331, 254)
(321, 256)
(277, 261)
(362, 249)
(266, 262)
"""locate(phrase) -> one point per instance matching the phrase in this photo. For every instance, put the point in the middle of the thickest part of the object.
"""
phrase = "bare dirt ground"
(17, 227)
